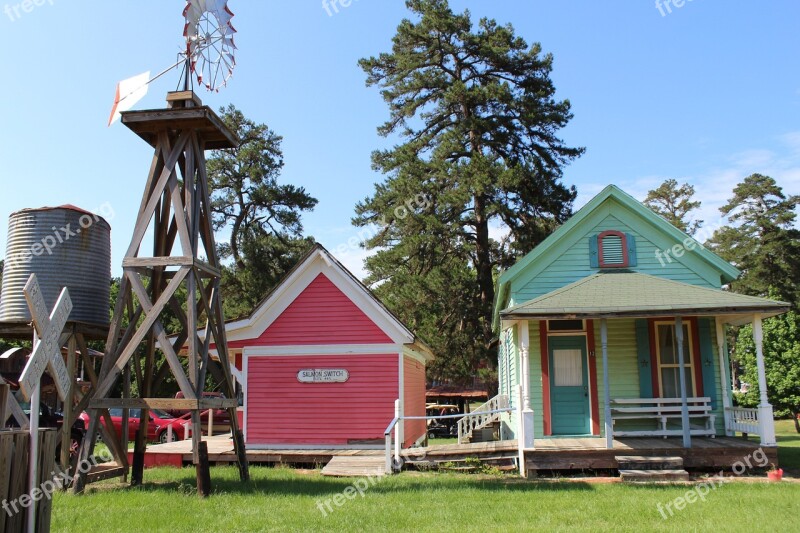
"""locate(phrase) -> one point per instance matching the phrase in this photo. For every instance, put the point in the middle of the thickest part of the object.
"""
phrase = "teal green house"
(614, 326)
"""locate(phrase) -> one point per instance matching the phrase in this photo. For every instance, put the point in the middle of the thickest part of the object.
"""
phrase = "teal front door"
(569, 386)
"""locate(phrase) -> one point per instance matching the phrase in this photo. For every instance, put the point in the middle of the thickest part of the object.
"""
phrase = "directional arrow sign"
(47, 353)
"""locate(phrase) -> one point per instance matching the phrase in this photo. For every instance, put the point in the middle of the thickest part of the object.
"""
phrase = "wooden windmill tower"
(171, 264)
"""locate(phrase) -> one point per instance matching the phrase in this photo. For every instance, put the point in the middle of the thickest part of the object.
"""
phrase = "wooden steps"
(648, 462)
(488, 433)
(355, 466)
(651, 469)
(654, 476)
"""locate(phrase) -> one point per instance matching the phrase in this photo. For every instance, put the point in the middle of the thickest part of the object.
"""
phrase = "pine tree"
(477, 113)
(262, 215)
(761, 240)
(675, 203)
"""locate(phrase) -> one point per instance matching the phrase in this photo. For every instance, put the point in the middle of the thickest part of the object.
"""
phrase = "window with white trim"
(668, 366)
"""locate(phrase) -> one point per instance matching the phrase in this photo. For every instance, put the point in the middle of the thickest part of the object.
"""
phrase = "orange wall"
(414, 399)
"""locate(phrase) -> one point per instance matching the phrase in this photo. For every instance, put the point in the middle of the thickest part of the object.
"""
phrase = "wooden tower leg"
(66, 428)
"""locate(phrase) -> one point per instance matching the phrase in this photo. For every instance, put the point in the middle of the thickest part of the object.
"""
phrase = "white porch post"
(526, 429)
(687, 430)
(524, 341)
(766, 422)
(722, 349)
(520, 432)
(606, 389)
(398, 432)
(401, 399)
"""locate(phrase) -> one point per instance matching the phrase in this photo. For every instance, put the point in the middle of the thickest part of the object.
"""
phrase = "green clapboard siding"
(622, 363)
(535, 358)
(508, 379)
(501, 367)
(644, 364)
(577, 259)
(511, 347)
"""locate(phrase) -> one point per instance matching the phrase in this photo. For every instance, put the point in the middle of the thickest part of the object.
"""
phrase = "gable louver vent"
(612, 249)
(613, 253)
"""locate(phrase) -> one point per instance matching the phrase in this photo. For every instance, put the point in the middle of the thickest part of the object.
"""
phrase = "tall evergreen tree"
(761, 240)
(477, 113)
(262, 215)
(675, 203)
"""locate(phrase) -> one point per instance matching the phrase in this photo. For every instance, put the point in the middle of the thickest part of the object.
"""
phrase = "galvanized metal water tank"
(65, 247)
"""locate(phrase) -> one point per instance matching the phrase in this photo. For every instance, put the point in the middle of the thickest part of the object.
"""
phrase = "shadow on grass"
(315, 485)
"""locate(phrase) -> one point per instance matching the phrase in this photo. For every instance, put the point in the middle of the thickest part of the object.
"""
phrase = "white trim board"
(245, 390)
(415, 355)
(325, 349)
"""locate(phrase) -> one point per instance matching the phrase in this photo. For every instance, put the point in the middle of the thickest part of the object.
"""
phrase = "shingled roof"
(630, 294)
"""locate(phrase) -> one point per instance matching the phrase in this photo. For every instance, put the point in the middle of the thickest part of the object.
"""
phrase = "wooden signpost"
(46, 355)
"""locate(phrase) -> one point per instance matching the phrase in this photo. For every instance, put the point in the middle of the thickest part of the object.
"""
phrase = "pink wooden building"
(321, 362)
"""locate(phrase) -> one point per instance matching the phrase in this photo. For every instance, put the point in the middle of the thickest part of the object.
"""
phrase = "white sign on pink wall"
(323, 375)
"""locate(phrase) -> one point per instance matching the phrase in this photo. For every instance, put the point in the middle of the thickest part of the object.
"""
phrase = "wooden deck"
(355, 466)
(220, 451)
(549, 454)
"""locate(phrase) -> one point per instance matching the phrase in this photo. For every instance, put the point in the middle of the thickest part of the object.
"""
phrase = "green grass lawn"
(788, 446)
(281, 499)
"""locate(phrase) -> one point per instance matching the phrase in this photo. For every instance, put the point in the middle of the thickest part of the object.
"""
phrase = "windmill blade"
(209, 41)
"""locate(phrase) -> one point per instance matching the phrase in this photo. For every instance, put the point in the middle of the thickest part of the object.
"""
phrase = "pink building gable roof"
(322, 314)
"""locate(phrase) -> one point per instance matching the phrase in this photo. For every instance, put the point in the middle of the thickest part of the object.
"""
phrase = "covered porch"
(653, 365)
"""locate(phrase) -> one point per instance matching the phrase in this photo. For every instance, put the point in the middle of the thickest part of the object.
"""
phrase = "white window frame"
(691, 389)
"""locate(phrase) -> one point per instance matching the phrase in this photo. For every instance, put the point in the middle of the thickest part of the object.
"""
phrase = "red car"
(221, 418)
(156, 428)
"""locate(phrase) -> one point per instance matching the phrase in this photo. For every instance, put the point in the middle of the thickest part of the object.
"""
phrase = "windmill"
(208, 55)
(171, 263)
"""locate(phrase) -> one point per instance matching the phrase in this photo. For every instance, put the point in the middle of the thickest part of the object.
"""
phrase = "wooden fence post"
(14, 492)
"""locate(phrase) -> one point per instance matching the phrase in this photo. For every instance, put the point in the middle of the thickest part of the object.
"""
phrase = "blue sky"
(707, 93)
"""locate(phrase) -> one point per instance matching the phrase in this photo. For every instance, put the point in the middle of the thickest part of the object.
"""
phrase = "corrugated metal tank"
(65, 247)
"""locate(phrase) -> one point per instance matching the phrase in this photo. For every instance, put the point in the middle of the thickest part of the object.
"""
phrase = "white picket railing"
(482, 416)
(742, 420)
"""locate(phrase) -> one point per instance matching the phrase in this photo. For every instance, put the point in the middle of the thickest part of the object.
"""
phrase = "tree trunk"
(484, 266)
(795, 414)
(237, 225)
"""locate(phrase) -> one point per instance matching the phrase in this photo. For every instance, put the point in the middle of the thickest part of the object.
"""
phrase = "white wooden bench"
(662, 410)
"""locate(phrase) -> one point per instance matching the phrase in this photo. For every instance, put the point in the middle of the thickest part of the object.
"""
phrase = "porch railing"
(742, 419)
(394, 427)
(481, 417)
